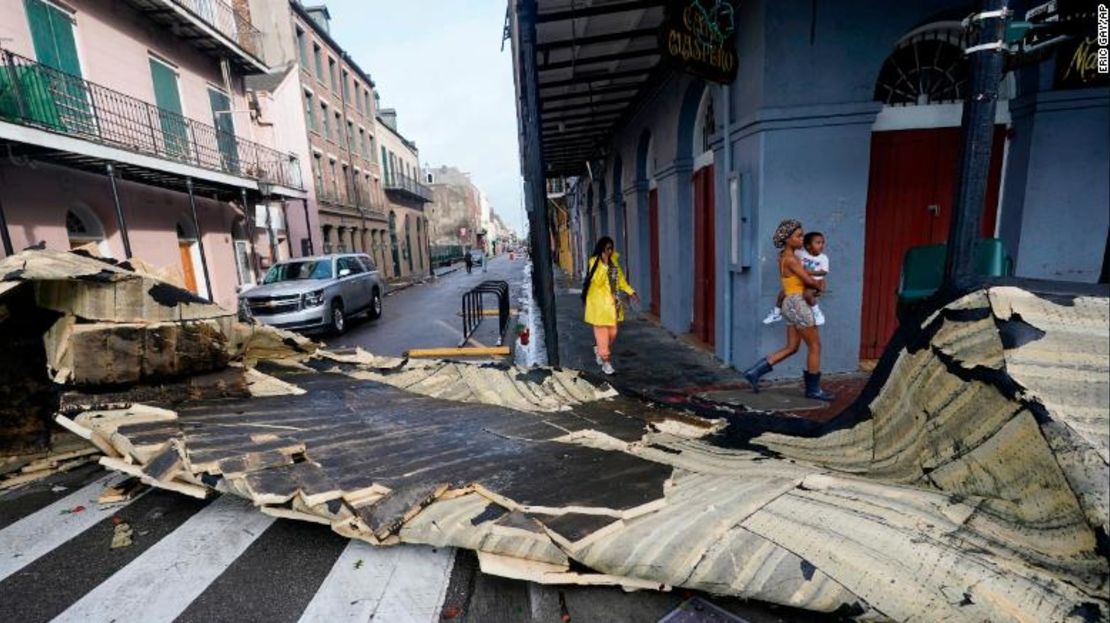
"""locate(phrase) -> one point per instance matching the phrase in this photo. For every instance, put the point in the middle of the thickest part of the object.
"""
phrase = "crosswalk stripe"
(396, 584)
(40, 532)
(164, 580)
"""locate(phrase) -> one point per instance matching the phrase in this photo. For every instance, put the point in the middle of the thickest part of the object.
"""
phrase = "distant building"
(325, 104)
(454, 215)
(406, 196)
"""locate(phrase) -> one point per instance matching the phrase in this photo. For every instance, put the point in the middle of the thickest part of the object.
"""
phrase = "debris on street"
(918, 498)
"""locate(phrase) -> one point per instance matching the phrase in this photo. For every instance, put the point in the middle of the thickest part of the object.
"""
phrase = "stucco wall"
(37, 197)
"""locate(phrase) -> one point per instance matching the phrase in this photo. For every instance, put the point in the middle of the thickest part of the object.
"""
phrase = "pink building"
(126, 125)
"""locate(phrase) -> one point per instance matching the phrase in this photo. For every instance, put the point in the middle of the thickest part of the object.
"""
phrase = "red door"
(704, 255)
(909, 203)
(653, 248)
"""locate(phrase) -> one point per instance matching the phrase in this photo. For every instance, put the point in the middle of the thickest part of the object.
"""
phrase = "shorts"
(797, 312)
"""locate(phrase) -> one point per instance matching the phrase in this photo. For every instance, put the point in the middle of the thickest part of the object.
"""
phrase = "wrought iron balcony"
(213, 26)
(407, 187)
(36, 95)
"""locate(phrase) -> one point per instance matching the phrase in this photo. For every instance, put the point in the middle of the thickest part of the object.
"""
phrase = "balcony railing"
(37, 95)
(229, 22)
(409, 186)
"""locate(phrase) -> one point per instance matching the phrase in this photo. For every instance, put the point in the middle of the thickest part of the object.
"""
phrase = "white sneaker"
(773, 317)
(597, 357)
(607, 368)
(818, 317)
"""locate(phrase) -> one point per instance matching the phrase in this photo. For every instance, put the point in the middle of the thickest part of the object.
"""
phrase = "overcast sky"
(440, 64)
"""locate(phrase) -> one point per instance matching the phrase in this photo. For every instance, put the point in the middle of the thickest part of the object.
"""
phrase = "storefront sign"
(699, 36)
(1083, 58)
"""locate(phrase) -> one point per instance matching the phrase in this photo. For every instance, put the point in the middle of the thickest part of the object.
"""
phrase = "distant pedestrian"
(800, 323)
(601, 294)
(469, 260)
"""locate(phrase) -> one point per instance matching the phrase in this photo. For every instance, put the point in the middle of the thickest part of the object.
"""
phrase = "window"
(339, 128)
(302, 48)
(167, 98)
(84, 228)
(310, 112)
(351, 133)
(362, 142)
(358, 98)
(325, 127)
(318, 172)
(318, 56)
(347, 184)
(346, 91)
(334, 178)
(350, 264)
(385, 166)
(333, 75)
(366, 103)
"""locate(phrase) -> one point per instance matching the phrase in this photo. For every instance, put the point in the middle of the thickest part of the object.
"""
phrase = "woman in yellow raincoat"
(600, 293)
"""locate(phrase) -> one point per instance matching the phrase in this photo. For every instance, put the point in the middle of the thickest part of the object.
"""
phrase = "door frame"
(703, 325)
(653, 252)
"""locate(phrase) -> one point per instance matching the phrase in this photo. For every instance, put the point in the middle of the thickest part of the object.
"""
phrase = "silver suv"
(316, 293)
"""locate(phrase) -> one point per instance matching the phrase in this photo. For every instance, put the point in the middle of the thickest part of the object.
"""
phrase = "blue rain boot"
(754, 373)
(813, 388)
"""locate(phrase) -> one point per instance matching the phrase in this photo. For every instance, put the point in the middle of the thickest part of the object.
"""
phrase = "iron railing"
(407, 184)
(231, 23)
(37, 95)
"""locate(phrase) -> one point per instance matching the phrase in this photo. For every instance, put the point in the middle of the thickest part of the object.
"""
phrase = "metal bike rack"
(473, 309)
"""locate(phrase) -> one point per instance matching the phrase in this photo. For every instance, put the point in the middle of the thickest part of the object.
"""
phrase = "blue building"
(844, 115)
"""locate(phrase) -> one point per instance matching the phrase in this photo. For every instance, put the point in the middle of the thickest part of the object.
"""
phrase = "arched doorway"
(649, 217)
(189, 251)
(703, 180)
(84, 228)
(915, 148)
(393, 244)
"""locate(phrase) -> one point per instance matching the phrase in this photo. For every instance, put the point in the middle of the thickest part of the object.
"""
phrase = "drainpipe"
(726, 96)
(200, 236)
(119, 213)
(6, 238)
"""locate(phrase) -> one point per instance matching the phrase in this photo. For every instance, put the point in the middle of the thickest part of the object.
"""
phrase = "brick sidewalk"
(656, 364)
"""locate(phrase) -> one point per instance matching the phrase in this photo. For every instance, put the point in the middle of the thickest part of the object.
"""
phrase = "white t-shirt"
(813, 262)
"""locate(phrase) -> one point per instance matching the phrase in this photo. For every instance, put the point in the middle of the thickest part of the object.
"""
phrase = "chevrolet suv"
(316, 293)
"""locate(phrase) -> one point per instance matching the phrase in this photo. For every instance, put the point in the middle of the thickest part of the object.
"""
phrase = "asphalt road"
(220, 560)
(427, 315)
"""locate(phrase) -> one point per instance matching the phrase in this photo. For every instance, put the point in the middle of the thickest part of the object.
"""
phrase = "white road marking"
(37, 534)
(401, 584)
(165, 579)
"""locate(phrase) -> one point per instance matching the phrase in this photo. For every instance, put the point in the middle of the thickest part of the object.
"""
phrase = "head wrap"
(784, 231)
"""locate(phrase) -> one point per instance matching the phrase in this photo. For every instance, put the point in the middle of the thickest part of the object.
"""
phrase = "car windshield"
(299, 271)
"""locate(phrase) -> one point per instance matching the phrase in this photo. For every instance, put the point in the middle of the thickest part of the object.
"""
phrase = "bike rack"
(472, 308)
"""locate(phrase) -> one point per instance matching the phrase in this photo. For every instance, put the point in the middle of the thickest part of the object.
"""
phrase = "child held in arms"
(816, 263)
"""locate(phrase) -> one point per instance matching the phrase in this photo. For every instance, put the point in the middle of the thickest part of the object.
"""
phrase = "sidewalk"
(658, 365)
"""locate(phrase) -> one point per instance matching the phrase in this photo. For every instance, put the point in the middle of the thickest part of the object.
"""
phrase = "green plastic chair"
(923, 269)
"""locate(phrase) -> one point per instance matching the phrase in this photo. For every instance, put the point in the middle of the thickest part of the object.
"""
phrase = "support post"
(248, 211)
(543, 278)
(986, 54)
(120, 221)
(200, 237)
(5, 237)
(308, 227)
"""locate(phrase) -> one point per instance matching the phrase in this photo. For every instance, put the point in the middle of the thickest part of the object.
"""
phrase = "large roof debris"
(968, 482)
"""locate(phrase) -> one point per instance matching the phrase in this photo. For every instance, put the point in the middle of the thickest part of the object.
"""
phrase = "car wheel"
(338, 320)
(376, 305)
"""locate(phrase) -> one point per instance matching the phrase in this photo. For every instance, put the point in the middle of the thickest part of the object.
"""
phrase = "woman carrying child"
(801, 326)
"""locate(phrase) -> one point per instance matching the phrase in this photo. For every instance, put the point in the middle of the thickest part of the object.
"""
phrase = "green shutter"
(52, 35)
(166, 97)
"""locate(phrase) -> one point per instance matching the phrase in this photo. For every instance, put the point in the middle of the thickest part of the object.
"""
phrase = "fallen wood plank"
(489, 351)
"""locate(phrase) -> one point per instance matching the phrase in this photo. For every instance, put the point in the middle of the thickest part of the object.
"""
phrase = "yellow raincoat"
(601, 308)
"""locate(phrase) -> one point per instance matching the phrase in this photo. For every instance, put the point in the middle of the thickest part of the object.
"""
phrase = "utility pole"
(987, 57)
(543, 278)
